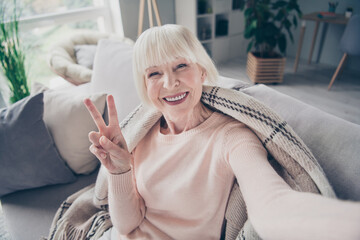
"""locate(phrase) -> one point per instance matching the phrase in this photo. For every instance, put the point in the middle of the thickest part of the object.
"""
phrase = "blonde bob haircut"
(160, 45)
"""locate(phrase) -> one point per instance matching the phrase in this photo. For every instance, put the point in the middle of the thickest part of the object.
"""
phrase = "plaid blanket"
(84, 215)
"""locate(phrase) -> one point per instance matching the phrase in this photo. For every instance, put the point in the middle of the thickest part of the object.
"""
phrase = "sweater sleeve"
(126, 207)
(278, 212)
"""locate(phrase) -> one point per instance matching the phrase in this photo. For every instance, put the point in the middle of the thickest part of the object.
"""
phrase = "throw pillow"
(69, 123)
(28, 156)
(85, 55)
(112, 74)
(333, 141)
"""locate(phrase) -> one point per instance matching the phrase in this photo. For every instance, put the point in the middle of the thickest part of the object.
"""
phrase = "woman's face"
(175, 88)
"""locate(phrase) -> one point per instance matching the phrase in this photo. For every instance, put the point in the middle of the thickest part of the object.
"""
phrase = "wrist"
(120, 171)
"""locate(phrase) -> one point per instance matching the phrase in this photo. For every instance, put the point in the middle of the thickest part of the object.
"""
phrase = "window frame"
(109, 11)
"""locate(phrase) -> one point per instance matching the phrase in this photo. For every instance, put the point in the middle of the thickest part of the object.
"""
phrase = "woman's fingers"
(114, 158)
(99, 153)
(95, 115)
(120, 140)
(94, 138)
(113, 149)
(113, 118)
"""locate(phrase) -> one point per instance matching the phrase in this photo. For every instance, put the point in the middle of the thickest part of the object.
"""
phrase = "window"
(43, 22)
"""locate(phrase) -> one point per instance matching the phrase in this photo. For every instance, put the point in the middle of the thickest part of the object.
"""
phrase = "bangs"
(163, 48)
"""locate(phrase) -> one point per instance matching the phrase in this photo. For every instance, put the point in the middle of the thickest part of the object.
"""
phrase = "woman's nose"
(169, 81)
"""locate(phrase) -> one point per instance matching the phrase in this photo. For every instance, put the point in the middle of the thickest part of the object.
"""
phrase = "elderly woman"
(176, 182)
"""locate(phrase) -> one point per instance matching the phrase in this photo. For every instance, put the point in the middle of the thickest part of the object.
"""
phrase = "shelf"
(218, 24)
(220, 37)
(221, 25)
(204, 7)
(205, 15)
(204, 28)
(236, 5)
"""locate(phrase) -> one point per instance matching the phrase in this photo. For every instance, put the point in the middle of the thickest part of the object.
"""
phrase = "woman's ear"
(203, 75)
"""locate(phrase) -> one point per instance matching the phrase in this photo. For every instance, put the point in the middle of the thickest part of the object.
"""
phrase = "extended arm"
(278, 212)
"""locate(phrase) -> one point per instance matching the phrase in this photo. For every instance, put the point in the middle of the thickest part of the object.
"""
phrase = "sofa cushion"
(29, 213)
(112, 74)
(28, 156)
(69, 123)
(333, 141)
(85, 55)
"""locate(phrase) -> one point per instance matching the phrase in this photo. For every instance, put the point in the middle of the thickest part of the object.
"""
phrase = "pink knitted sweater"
(179, 186)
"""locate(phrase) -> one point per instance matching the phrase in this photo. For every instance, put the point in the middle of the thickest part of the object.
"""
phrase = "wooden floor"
(309, 85)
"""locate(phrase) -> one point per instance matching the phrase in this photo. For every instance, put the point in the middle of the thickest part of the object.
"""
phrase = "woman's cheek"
(152, 89)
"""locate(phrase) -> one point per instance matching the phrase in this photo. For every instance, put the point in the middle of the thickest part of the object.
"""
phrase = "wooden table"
(337, 19)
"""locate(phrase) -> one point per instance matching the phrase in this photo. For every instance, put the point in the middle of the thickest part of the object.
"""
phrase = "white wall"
(130, 15)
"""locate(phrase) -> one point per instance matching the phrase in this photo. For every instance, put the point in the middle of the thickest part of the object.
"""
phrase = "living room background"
(39, 39)
(330, 54)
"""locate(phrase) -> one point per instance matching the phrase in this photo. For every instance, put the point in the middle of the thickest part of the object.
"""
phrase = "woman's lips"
(176, 99)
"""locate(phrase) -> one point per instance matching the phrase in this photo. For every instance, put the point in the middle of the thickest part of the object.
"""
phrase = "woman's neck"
(193, 119)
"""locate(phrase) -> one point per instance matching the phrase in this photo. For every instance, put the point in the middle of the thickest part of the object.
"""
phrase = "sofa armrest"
(333, 141)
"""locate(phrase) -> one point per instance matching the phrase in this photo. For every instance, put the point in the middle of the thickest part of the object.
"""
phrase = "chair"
(63, 60)
(349, 44)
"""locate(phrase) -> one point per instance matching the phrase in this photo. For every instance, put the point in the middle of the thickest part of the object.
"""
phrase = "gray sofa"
(334, 142)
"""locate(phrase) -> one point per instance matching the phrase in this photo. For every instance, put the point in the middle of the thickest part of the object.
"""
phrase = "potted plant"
(267, 22)
(12, 58)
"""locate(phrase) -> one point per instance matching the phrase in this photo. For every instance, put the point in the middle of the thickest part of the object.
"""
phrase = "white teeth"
(173, 99)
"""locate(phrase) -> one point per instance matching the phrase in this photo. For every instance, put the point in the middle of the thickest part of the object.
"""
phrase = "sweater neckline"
(178, 137)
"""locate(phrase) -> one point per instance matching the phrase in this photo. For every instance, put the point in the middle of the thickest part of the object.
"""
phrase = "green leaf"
(279, 4)
(280, 15)
(249, 47)
(295, 21)
(270, 30)
(287, 24)
(290, 35)
(12, 57)
(248, 12)
(266, 16)
(249, 29)
(298, 11)
(260, 37)
(282, 43)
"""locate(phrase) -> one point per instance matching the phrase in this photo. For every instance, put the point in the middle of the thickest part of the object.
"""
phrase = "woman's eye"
(153, 74)
(182, 65)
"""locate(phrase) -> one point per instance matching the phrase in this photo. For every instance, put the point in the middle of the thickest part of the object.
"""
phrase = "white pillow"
(112, 74)
(69, 123)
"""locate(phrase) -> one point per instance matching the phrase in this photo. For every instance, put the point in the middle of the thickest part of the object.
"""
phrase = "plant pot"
(265, 70)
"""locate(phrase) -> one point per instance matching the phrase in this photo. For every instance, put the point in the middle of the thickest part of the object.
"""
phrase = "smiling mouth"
(176, 99)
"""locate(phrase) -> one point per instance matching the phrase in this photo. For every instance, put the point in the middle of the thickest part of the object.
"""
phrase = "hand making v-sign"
(108, 144)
